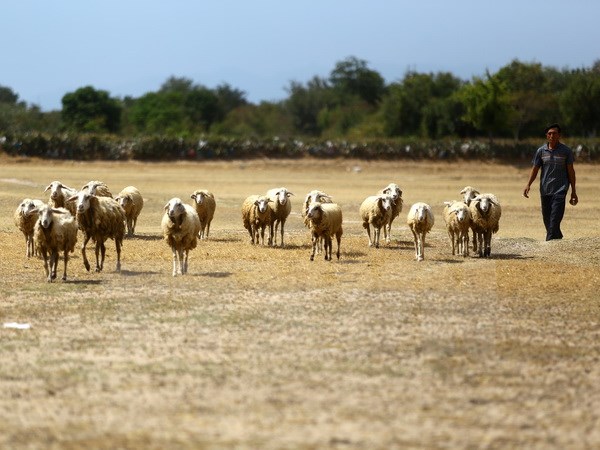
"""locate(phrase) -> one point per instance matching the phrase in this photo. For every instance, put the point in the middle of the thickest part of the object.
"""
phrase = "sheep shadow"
(143, 237)
(214, 274)
(86, 282)
(133, 273)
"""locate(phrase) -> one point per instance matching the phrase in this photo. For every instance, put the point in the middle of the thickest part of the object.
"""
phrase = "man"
(556, 161)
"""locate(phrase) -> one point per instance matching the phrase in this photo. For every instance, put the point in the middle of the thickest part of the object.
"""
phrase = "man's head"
(553, 134)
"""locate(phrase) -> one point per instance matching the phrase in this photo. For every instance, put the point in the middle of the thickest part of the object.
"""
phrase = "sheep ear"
(58, 211)
(448, 203)
(289, 193)
(193, 196)
(72, 198)
(167, 206)
(47, 187)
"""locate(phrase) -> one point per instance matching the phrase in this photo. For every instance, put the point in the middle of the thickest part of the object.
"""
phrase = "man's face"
(553, 136)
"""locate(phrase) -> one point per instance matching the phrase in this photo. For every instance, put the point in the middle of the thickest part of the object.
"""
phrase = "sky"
(131, 47)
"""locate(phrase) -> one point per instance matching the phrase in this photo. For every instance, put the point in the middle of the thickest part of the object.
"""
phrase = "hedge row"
(87, 147)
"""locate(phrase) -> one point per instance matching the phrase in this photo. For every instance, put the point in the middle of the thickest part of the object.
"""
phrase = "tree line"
(353, 102)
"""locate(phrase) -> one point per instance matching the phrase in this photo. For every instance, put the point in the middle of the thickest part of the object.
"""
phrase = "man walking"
(556, 161)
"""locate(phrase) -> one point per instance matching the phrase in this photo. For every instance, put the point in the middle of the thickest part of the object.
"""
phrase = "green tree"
(351, 77)
(580, 101)
(305, 103)
(229, 99)
(8, 96)
(89, 109)
(486, 104)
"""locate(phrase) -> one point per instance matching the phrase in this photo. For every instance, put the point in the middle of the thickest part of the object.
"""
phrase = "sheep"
(325, 221)
(99, 218)
(204, 202)
(256, 216)
(132, 203)
(97, 188)
(180, 226)
(420, 221)
(485, 220)
(55, 231)
(376, 211)
(25, 216)
(282, 207)
(469, 193)
(458, 221)
(59, 193)
(314, 196)
(394, 190)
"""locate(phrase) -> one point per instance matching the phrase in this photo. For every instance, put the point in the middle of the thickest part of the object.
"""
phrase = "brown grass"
(260, 348)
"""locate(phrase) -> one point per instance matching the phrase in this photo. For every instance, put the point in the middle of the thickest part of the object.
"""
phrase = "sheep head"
(27, 207)
(394, 190)
(282, 195)
(469, 194)
(262, 203)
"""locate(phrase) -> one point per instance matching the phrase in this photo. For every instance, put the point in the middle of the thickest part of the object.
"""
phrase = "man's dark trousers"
(553, 210)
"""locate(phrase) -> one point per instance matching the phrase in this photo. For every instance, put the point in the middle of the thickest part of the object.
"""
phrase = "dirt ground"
(259, 347)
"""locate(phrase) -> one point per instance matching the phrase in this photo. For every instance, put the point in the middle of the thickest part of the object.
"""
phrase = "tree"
(305, 102)
(352, 77)
(229, 99)
(580, 102)
(8, 96)
(88, 109)
(486, 105)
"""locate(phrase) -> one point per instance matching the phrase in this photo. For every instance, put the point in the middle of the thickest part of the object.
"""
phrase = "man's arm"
(572, 179)
(532, 175)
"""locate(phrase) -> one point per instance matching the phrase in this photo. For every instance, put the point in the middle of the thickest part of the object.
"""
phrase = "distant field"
(260, 348)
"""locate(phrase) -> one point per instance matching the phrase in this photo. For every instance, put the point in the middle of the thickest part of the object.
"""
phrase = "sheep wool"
(394, 190)
(205, 204)
(376, 211)
(180, 226)
(256, 217)
(420, 220)
(325, 221)
(132, 203)
(55, 231)
(282, 207)
(99, 218)
(458, 221)
(485, 220)
(25, 217)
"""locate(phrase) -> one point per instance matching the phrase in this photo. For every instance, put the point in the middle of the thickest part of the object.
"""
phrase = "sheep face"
(394, 190)
(46, 215)
(27, 207)
(198, 198)
(174, 208)
(262, 204)
(484, 204)
(469, 194)
(386, 202)
(125, 201)
(314, 210)
(316, 196)
(282, 196)
(421, 213)
(83, 200)
(55, 189)
(462, 214)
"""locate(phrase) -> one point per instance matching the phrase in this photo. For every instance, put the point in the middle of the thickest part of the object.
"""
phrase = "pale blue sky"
(130, 47)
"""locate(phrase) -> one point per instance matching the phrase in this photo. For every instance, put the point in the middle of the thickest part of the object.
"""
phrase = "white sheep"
(325, 221)
(469, 193)
(458, 221)
(420, 221)
(132, 203)
(204, 202)
(25, 216)
(99, 218)
(97, 188)
(314, 196)
(394, 190)
(485, 220)
(59, 195)
(376, 211)
(256, 216)
(282, 207)
(180, 226)
(55, 232)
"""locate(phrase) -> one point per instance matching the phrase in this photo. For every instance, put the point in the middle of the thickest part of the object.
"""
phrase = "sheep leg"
(488, 243)
(272, 235)
(174, 261)
(28, 246)
(328, 247)
(86, 263)
(377, 234)
(338, 238)
(368, 227)
(207, 230)
(45, 256)
(118, 245)
(66, 259)
(133, 226)
(422, 246)
(416, 241)
(100, 251)
(185, 262)
(315, 240)
(251, 233)
(282, 225)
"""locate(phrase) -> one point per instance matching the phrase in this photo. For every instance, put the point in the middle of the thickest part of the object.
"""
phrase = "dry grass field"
(258, 347)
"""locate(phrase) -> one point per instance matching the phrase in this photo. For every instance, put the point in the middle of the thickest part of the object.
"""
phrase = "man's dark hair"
(549, 127)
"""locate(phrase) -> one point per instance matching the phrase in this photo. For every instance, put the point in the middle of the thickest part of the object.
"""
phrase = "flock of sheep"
(51, 227)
